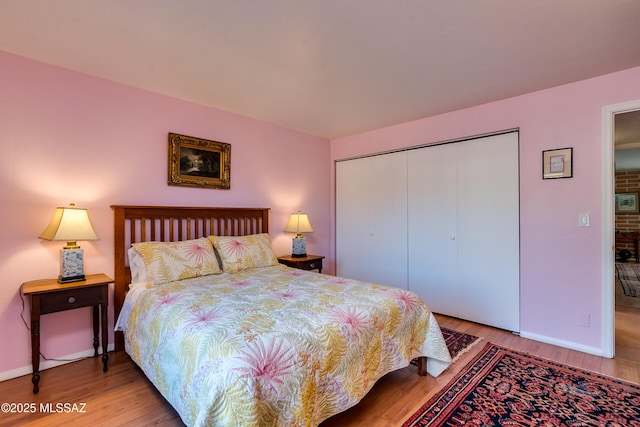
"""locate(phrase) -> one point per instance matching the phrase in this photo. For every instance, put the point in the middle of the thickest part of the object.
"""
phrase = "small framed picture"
(557, 163)
(197, 162)
(627, 203)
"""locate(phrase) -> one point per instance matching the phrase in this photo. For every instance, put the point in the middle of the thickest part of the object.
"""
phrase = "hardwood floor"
(627, 333)
(123, 396)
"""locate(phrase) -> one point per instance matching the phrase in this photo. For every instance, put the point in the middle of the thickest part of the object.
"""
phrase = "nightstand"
(309, 262)
(49, 296)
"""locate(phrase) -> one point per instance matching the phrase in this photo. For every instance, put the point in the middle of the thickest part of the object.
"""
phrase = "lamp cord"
(42, 355)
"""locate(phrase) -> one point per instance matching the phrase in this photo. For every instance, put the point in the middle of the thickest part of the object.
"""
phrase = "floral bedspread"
(276, 346)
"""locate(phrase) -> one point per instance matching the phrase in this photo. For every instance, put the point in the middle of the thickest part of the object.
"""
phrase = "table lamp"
(70, 224)
(299, 223)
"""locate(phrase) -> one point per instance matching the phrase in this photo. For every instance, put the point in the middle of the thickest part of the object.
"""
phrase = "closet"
(371, 208)
(441, 221)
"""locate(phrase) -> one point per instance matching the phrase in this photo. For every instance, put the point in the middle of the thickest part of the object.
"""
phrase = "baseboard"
(562, 343)
(52, 363)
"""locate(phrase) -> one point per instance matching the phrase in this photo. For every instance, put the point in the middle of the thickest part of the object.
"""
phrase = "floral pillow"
(170, 261)
(244, 252)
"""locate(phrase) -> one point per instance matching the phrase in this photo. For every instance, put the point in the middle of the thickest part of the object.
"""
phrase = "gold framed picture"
(557, 163)
(197, 162)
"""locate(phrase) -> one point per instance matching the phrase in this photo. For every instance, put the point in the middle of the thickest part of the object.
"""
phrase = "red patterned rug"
(503, 387)
(458, 343)
(629, 276)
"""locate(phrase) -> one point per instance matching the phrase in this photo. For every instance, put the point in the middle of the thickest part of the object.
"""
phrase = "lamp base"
(71, 265)
(299, 247)
(71, 279)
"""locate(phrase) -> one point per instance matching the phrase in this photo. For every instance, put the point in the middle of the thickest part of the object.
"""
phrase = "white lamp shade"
(69, 224)
(298, 223)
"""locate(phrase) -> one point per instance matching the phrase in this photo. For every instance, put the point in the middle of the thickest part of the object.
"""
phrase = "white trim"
(47, 364)
(608, 224)
(562, 343)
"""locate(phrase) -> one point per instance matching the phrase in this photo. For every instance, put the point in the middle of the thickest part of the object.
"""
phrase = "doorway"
(610, 337)
(627, 234)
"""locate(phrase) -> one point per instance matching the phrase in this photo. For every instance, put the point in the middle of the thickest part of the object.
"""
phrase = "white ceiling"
(330, 67)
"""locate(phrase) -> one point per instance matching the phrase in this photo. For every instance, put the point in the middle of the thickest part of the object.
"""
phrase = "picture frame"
(197, 162)
(557, 163)
(627, 203)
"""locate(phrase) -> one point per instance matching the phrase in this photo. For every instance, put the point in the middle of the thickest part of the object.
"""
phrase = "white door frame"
(608, 224)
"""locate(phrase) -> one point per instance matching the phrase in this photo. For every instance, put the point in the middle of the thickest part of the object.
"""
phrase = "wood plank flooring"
(123, 396)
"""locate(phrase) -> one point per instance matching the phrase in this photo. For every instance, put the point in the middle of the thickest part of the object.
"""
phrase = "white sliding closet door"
(464, 229)
(442, 221)
(433, 223)
(489, 231)
(371, 219)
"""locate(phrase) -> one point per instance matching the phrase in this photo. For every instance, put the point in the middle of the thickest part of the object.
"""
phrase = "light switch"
(584, 220)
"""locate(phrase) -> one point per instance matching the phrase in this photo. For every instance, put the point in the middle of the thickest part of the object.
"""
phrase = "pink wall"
(67, 137)
(561, 263)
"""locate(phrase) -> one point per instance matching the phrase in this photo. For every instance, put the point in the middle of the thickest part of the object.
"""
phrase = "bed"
(232, 338)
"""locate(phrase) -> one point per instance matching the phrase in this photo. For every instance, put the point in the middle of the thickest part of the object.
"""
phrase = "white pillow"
(136, 264)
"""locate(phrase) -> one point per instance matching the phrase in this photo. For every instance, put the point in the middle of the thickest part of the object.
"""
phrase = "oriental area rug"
(458, 343)
(629, 276)
(503, 387)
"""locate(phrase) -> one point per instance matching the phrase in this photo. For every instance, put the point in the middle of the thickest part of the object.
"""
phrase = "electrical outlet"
(584, 319)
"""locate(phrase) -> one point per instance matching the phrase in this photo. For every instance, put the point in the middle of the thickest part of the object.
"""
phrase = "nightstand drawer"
(310, 265)
(73, 298)
(310, 262)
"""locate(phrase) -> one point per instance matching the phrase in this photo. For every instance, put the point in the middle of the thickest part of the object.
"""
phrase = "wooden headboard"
(134, 224)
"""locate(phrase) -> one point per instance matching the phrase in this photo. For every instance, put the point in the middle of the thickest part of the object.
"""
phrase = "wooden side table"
(309, 262)
(49, 296)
